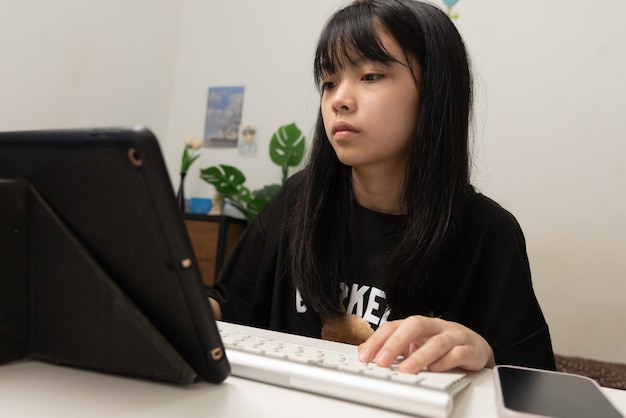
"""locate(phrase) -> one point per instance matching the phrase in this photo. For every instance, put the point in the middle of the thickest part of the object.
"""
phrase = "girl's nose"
(343, 99)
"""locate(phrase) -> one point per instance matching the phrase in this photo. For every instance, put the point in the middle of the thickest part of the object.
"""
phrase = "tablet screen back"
(109, 189)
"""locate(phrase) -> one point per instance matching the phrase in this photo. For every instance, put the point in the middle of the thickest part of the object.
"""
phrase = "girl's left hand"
(431, 343)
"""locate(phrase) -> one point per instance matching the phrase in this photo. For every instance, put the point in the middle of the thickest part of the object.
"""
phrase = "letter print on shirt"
(367, 302)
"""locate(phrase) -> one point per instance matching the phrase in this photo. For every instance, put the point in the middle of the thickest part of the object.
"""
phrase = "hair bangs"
(350, 37)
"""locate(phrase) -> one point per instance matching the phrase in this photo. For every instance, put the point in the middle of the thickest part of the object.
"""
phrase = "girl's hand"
(431, 343)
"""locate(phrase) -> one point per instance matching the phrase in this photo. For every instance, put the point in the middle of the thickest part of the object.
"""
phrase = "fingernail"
(409, 366)
(365, 355)
(384, 358)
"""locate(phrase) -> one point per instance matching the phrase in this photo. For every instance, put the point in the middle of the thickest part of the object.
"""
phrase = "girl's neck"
(378, 191)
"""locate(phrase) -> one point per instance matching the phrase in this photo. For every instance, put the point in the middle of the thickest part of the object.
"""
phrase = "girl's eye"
(372, 77)
(327, 85)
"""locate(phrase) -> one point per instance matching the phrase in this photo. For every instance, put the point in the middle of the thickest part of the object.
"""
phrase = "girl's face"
(370, 110)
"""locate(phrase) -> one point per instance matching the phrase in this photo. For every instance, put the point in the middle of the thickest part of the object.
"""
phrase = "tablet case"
(90, 273)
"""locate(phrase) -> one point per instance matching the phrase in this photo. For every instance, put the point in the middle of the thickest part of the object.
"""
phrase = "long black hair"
(436, 181)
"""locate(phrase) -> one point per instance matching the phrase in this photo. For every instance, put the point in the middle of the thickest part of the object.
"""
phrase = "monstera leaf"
(229, 181)
(287, 147)
(286, 150)
(225, 178)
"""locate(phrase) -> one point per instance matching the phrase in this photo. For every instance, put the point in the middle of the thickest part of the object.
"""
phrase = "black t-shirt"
(487, 285)
(375, 238)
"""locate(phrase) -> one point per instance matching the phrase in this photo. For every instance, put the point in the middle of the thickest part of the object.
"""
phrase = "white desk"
(32, 389)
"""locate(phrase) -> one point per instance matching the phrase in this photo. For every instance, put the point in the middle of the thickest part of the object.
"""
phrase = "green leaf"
(286, 149)
(287, 146)
(243, 193)
(266, 192)
(257, 204)
(241, 207)
(226, 179)
(261, 197)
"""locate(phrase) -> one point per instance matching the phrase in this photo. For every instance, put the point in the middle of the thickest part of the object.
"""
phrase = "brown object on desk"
(213, 239)
(607, 374)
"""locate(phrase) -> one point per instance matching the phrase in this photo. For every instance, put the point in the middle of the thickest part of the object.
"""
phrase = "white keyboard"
(333, 369)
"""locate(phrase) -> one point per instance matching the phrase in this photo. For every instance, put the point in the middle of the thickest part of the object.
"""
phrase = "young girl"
(383, 222)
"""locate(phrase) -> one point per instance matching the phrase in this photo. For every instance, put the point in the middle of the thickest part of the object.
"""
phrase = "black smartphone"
(525, 392)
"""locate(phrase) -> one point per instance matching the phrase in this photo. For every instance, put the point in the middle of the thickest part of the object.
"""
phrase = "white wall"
(74, 63)
(268, 47)
(551, 139)
(550, 131)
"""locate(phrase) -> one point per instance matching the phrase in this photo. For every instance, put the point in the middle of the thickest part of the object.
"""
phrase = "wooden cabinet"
(213, 239)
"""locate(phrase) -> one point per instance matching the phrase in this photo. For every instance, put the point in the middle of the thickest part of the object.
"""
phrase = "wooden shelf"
(213, 239)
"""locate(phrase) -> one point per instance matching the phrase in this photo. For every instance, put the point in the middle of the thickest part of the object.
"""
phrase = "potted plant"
(286, 150)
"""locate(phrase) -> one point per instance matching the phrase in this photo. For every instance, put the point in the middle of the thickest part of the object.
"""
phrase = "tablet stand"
(59, 305)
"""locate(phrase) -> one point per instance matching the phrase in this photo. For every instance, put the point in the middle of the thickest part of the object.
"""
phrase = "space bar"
(380, 393)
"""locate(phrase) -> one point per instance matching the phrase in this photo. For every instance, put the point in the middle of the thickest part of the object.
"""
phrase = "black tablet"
(97, 270)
